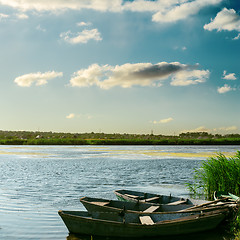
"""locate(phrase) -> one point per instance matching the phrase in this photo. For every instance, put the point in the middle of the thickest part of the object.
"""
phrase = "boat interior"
(152, 198)
(137, 206)
(147, 219)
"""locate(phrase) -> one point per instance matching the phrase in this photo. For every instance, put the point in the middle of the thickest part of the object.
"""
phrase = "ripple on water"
(38, 181)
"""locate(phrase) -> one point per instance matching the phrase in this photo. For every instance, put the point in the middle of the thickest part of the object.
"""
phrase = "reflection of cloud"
(224, 89)
(227, 20)
(39, 78)
(166, 120)
(230, 76)
(142, 74)
(162, 10)
(81, 37)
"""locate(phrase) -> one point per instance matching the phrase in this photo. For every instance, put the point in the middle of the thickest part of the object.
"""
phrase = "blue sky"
(114, 66)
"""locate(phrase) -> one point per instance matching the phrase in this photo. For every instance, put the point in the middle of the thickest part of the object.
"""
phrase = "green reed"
(217, 173)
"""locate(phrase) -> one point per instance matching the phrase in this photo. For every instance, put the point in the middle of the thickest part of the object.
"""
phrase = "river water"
(37, 181)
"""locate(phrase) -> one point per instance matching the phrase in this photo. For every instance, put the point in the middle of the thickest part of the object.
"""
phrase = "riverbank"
(51, 138)
(70, 141)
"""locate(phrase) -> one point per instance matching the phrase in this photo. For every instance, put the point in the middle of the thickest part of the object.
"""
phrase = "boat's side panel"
(90, 226)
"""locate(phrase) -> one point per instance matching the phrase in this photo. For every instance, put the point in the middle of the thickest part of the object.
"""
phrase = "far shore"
(52, 138)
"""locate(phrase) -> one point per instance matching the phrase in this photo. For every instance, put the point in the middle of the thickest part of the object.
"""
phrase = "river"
(37, 181)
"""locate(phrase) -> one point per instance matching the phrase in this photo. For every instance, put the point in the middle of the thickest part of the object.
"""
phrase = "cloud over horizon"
(38, 78)
(162, 121)
(82, 116)
(204, 129)
(138, 74)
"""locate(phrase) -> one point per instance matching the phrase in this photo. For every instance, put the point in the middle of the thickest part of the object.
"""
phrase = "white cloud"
(230, 76)
(220, 129)
(70, 116)
(88, 77)
(141, 74)
(227, 129)
(41, 29)
(181, 10)
(198, 129)
(162, 10)
(226, 19)
(185, 78)
(81, 37)
(58, 5)
(3, 16)
(237, 37)
(166, 120)
(83, 24)
(224, 89)
(180, 48)
(85, 116)
(18, 16)
(22, 16)
(82, 116)
(38, 78)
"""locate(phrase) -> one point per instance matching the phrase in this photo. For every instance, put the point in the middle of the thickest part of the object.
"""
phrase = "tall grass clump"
(217, 173)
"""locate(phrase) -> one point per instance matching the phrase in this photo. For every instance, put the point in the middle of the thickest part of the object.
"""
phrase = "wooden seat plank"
(151, 209)
(151, 199)
(132, 196)
(177, 202)
(147, 220)
(101, 203)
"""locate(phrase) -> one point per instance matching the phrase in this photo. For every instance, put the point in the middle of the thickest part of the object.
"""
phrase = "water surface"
(37, 181)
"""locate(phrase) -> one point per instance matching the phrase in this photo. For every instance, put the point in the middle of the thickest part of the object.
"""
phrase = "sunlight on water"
(37, 181)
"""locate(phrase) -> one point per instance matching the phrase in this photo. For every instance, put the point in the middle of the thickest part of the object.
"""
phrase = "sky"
(120, 66)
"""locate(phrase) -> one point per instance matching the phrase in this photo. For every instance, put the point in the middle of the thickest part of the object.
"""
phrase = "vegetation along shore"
(53, 138)
(221, 174)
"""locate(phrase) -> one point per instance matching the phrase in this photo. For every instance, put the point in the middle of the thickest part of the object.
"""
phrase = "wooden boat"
(134, 196)
(113, 224)
(105, 205)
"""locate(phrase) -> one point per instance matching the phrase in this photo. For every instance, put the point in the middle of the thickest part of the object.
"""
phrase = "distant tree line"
(55, 138)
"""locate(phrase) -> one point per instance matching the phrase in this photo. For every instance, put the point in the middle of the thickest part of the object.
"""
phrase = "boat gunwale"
(197, 210)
